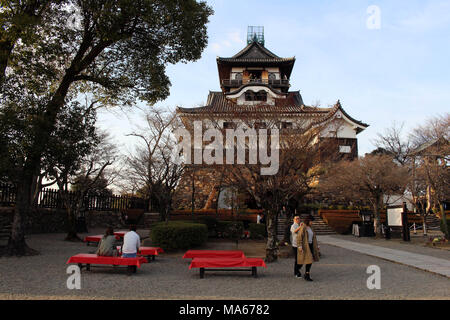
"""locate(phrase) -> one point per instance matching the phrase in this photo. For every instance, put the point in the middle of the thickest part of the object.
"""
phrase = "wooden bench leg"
(80, 265)
(88, 267)
(254, 272)
(202, 273)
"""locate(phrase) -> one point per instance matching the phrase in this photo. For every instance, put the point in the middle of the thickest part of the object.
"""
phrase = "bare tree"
(84, 174)
(432, 155)
(394, 144)
(300, 151)
(370, 177)
(151, 168)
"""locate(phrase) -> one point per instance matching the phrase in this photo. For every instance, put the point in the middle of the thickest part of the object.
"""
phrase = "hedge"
(211, 224)
(230, 229)
(257, 230)
(178, 235)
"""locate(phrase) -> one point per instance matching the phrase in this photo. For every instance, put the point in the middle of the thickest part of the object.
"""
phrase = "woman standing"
(307, 248)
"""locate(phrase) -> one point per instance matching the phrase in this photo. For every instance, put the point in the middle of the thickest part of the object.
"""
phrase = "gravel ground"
(341, 274)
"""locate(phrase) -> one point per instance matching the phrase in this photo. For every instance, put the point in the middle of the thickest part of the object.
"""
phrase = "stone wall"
(104, 219)
(52, 220)
(39, 221)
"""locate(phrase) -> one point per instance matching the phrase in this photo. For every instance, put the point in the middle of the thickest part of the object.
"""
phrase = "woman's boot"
(307, 277)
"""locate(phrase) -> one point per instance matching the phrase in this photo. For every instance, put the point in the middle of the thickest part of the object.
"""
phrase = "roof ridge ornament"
(255, 34)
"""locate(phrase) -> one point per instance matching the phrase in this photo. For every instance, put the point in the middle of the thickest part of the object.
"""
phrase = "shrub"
(257, 231)
(211, 224)
(178, 235)
(230, 229)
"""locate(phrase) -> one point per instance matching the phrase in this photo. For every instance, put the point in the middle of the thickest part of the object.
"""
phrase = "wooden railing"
(52, 198)
(240, 82)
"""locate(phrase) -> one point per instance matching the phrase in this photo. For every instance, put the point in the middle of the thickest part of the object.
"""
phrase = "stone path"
(419, 261)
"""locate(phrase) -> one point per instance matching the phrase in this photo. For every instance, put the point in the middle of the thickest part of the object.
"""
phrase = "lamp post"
(405, 229)
(367, 224)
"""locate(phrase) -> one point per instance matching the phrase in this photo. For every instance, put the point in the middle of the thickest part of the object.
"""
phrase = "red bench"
(88, 259)
(213, 254)
(227, 264)
(148, 252)
(96, 239)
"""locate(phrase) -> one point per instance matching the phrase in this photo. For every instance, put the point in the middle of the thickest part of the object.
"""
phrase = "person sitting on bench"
(131, 243)
(108, 244)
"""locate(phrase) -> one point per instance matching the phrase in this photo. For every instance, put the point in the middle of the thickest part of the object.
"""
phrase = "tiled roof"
(255, 52)
(338, 107)
(218, 103)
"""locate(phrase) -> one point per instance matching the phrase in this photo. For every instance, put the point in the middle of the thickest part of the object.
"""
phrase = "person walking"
(307, 248)
(108, 244)
(295, 227)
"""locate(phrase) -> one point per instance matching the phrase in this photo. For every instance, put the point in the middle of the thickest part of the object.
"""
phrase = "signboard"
(394, 216)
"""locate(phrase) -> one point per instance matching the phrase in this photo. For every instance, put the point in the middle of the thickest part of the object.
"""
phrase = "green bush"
(230, 229)
(211, 224)
(257, 231)
(178, 235)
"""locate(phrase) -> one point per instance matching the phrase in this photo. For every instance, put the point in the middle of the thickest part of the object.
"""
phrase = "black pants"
(296, 266)
(308, 266)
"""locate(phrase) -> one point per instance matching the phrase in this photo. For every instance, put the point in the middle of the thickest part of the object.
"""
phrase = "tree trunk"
(16, 242)
(72, 228)
(271, 245)
(377, 219)
(6, 47)
(424, 223)
(444, 220)
(287, 228)
(72, 215)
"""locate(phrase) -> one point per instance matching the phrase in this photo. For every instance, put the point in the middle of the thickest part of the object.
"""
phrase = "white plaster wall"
(343, 128)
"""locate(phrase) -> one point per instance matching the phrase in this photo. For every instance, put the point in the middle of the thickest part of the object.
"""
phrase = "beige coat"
(305, 256)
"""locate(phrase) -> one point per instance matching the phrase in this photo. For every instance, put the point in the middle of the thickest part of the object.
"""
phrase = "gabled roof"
(257, 85)
(338, 107)
(255, 52)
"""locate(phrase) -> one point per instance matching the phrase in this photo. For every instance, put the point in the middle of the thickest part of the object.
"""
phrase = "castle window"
(256, 96)
(286, 125)
(228, 125)
(260, 125)
(345, 149)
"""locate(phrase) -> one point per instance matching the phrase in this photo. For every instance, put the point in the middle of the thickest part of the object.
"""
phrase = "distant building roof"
(426, 145)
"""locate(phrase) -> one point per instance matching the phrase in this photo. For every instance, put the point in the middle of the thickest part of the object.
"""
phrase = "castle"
(255, 85)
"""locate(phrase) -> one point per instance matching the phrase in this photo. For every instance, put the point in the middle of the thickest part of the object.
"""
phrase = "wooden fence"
(52, 198)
